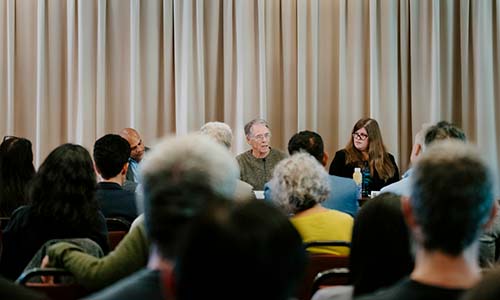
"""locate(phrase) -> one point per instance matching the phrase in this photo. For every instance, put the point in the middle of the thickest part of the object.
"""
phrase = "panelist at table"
(257, 164)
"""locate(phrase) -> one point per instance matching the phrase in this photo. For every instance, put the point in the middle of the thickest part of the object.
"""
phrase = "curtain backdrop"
(71, 71)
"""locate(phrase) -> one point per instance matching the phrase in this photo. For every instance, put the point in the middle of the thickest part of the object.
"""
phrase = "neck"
(454, 272)
(315, 209)
(259, 154)
(117, 179)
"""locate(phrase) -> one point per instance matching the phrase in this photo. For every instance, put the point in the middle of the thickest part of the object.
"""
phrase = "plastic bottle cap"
(357, 169)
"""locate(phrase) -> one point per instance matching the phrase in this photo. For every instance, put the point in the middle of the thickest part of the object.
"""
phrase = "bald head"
(135, 141)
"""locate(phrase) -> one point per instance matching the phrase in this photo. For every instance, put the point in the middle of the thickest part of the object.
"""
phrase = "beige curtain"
(71, 71)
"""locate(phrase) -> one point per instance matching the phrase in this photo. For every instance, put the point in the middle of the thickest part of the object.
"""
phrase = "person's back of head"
(441, 131)
(16, 171)
(308, 141)
(111, 153)
(299, 183)
(64, 186)
(451, 197)
(249, 251)
(219, 131)
(380, 251)
(180, 175)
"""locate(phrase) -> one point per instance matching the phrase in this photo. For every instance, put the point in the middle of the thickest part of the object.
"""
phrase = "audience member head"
(367, 138)
(16, 171)
(443, 130)
(258, 137)
(64, 186)
(419, 142)
(375, 242)
(451, 199)
(135, 141)
(299, 182)
(180, 175)
(111, 153)
(219, 131)
(248, 251)
(308, 141)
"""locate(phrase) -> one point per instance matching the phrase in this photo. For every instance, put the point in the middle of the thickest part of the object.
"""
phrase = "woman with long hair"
(380, 250)
(63, 206)
(16, 172)
(366, 150)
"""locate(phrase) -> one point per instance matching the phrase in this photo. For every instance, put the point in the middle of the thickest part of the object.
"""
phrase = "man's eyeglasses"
(261, 137)
(359, 136)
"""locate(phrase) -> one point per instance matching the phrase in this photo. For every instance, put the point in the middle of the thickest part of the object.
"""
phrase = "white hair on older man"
(219, 131)
(299, 182)
(193, 155)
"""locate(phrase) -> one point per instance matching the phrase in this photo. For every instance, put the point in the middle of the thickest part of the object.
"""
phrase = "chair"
(117, 229)
(56, 290)
(331, 277)
(319, 263)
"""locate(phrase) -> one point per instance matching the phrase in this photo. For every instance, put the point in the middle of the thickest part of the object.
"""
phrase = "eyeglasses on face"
(359, 136)
(261, 137)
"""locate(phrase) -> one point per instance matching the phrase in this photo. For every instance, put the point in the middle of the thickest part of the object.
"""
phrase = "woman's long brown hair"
(378, 158)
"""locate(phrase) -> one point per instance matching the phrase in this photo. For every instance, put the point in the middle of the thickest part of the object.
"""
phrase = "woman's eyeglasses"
(359, 136)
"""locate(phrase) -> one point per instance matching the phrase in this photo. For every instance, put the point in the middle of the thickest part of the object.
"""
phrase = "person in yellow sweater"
(298, 186)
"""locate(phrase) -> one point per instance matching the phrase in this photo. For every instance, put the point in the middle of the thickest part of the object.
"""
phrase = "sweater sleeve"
(95, 273)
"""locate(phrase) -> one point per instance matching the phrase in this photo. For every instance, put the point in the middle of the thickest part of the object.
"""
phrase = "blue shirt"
(402, 187)
(343, 195)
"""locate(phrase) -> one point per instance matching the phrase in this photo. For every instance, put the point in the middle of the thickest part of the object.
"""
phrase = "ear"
(124, 169)
(407, 210)
(415, 152)
(325, 158)
(248, 139)
(492, 217)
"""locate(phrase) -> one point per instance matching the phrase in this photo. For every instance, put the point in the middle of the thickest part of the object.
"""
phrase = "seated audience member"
(16, 172)
(428, 134)
(111, 153)
(343, 191)
(180, 176)
(137, 150)
(299, 186)
(257, 164)
(366, 150)
(223, 134)
(249, 251)
(443, 131)
(451, 202)
(380, 250)
(63, 206)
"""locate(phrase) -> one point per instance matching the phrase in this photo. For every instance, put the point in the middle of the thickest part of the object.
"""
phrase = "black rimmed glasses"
(359, 136)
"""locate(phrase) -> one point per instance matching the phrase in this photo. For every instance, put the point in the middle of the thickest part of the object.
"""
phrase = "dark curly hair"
(16, 172)
(64, 187)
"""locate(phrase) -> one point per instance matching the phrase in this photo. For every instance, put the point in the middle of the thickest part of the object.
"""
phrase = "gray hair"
(219, 131)
(248, 126)
(299, 182)
(193, 155)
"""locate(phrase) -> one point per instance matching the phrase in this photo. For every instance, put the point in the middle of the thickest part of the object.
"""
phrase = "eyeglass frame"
(260, 137)
(359, 136)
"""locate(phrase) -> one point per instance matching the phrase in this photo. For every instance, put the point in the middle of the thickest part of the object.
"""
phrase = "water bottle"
(358, 179)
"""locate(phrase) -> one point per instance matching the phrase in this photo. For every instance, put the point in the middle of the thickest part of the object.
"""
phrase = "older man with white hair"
(222, 133)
